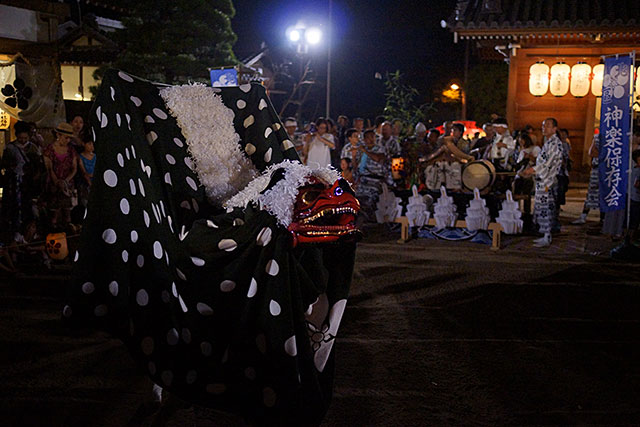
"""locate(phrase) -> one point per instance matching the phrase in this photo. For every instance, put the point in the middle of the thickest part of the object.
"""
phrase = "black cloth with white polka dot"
(211, 304)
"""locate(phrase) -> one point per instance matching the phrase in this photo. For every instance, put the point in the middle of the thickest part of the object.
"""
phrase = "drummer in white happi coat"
(546, 170)
(502, 146)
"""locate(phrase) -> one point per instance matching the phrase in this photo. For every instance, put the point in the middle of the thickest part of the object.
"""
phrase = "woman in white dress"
(318, 144)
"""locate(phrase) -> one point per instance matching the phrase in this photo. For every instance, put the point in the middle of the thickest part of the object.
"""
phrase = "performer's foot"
(543, 243)
(581, 220)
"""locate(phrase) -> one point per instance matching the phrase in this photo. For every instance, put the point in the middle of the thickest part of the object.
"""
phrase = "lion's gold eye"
(310, 196)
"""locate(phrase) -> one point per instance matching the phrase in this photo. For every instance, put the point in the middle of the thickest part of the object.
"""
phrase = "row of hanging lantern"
(560, 79)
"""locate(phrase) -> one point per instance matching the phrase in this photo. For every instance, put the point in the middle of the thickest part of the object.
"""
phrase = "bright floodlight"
(455, 86)
(294, 35)
(313, 35)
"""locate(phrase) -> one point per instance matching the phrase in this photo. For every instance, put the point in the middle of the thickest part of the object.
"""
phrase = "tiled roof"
(500, 15)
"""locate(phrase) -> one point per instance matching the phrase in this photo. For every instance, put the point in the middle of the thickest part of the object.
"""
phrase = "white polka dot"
(167, 178)
(157, 249)
(128, 117)
(147, 345)
(181, 274)
(134, 236)
(290, 346)
(216, 388)
(141, 187)
(88, 288)
(76, 256)
(192, 183)
(170, 159)
(160, 114)
(198, 262)
(238, 222)
(272, 268)
(249, 121)
(110, 178)
(124, 206)
(104, 121)
(133, 151)
(147, 220)
(149, 119)
(227, 285)
(178, 142)
(183, 306)
(205, 348)
(276, 127)
(245, 88)
(164, 295)
(241, 104)
(172, 336)
(118, 119)
(189, 163)
(152, 368)
(250, 149)
(264, 237)
(132, 187)
(274, 308)
(261, 343)
(113, 93)
(120, 159)
(204, 309)
(109, 236)
(66, 311)
(140, 261)
(167, 377)
(267, 132)
(262, 104)
(100, 310)
(113, 288)
(269, 397)
(162, 207)
(267, 155)
(253, 288)
(211, 224)
(151, 137)
(136, 100)
(99, 112)
(142, 298)
(174, 290)
(125, 256)
(191, 377)
(186, 335)
(227, 245)
(286, 144)
(125, 77)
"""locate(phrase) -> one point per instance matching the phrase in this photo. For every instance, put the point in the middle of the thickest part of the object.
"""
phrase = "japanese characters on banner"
(614, 133)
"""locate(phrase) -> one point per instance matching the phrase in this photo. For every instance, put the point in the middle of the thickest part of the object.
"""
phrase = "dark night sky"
(368, 37)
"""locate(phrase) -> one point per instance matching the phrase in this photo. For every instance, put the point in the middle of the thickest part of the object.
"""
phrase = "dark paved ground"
(435, 333)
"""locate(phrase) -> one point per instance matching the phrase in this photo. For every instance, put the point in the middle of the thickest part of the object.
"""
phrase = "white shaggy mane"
(207, 125)
(280, 199)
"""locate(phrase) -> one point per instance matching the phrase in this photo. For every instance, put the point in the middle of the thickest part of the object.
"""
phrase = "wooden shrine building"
(550, 32)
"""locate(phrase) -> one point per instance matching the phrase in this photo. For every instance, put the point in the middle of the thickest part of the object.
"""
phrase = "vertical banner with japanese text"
(614, 133)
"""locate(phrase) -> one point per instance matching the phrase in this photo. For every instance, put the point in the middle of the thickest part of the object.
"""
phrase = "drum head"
(479, 174)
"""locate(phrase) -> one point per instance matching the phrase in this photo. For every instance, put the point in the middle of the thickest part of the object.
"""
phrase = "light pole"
(463, 97)
(328, 109)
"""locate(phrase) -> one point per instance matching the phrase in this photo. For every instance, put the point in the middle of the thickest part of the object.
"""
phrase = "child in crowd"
(87, 165)
(347, 172)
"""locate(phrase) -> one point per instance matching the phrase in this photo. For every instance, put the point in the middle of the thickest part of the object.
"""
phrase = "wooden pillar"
(588, 130)
(512, 90)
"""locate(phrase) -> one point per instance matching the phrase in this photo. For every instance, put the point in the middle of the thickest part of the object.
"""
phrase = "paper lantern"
(596, 82)
(57, 245)
(638, 81)
(4, 119)
(559, 84)
(397, 166)
(580, 73)
(538, 79)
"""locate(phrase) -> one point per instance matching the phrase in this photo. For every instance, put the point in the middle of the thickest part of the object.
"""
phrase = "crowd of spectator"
(46, 181)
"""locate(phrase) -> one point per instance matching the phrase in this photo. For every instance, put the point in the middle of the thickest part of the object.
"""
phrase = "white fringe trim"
(280, 199)
(212, 142)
